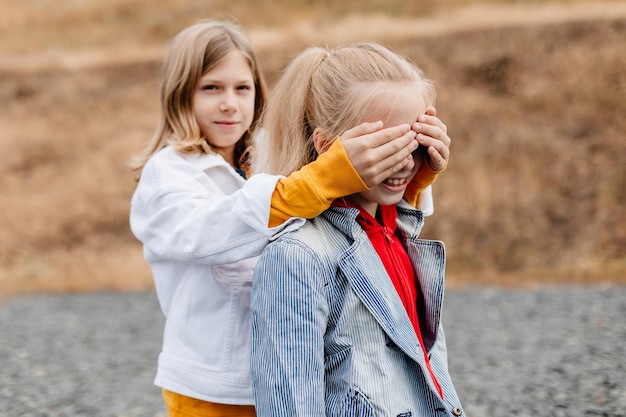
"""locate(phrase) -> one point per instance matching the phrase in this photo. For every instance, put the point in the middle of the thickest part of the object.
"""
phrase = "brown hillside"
(534, 193)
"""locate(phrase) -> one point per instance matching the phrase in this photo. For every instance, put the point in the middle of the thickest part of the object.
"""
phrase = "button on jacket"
(330, 334)
(197, 218)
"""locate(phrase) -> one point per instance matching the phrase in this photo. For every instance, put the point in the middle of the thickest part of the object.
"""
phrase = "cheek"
(196, 113)
(372, 194)
(200, 120)
(249, 105)
(197, 108)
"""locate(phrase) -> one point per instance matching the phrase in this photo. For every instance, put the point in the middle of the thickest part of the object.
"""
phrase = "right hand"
(377, 153)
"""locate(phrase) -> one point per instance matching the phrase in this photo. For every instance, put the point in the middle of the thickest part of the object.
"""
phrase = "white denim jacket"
(202, 226)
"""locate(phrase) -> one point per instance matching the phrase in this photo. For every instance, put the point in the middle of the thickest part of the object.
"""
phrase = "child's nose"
(229, 102)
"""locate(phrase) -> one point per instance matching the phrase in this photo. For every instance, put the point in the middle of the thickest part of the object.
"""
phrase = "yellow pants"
(181, 406)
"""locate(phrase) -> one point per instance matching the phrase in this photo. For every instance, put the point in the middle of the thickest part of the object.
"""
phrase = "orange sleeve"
(425, 176)
(310, 190)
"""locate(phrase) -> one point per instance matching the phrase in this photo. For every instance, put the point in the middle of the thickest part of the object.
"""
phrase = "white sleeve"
(426, 203)
(184, 218)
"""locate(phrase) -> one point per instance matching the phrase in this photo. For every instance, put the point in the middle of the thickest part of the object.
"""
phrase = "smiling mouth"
(394, 182)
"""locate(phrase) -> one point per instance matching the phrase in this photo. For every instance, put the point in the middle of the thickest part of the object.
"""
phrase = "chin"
(389, 201)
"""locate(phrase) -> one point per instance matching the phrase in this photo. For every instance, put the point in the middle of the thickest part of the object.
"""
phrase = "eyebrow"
(221, 81)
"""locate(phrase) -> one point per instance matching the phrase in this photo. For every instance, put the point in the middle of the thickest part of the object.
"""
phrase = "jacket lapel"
(429, 261)
(377, 293)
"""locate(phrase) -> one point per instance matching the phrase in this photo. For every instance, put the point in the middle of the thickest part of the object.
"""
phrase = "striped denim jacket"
(330, 336)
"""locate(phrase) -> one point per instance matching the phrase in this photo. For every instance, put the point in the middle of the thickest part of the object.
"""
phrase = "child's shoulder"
(318, 235)
(310, 231)
(313, 246)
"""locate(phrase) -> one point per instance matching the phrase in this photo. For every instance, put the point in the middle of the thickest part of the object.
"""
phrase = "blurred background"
(533, 93)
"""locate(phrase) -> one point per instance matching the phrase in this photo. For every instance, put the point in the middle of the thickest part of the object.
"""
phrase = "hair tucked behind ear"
(329, 90)
(193, 52)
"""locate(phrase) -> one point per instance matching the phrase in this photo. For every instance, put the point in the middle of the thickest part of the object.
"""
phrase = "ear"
(431, 111)
(320, 140)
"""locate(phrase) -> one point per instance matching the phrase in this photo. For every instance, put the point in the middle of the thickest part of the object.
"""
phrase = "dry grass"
(534, 194)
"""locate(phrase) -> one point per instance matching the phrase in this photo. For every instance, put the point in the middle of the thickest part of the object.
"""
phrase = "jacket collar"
(409, 221)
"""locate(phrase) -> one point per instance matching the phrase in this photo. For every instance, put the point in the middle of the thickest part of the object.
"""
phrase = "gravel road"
(549, 352)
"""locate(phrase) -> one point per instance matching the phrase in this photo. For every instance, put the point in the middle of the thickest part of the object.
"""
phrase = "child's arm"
(365, 155)
(425, 176)
(289, 314)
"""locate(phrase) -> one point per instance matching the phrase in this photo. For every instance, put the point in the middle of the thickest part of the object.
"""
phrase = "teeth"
(394, 181)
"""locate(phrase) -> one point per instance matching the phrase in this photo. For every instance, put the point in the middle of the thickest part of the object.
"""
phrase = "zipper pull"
(388, 234)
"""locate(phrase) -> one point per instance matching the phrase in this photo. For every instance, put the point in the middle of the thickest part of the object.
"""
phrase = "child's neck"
(374, 207)
(369, 206)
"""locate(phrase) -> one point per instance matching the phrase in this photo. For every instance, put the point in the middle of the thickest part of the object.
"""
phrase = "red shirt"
(382, 234)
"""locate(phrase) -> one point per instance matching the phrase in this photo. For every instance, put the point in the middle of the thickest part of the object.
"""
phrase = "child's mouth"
(394, 182)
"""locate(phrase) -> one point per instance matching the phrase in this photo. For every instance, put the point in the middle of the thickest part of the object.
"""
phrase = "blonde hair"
(193, 52)
(330, 90)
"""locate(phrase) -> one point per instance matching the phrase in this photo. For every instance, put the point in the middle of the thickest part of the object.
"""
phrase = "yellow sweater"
(309, 191)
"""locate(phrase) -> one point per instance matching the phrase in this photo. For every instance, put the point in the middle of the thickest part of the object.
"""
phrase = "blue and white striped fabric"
(330, 336)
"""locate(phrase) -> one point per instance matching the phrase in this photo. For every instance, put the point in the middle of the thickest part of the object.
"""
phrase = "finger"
(407, 163)
(361, 130)
(433, 135)
(436, 160)
(378, 143)
(429, 124)
(438, 149)
(374, 138)
(441, 145)
(395, 155)
(396, 142)
(434, 145)
(431, 120)
(396, 149)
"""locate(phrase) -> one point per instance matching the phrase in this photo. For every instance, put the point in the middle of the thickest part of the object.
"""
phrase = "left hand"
(432, 133)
